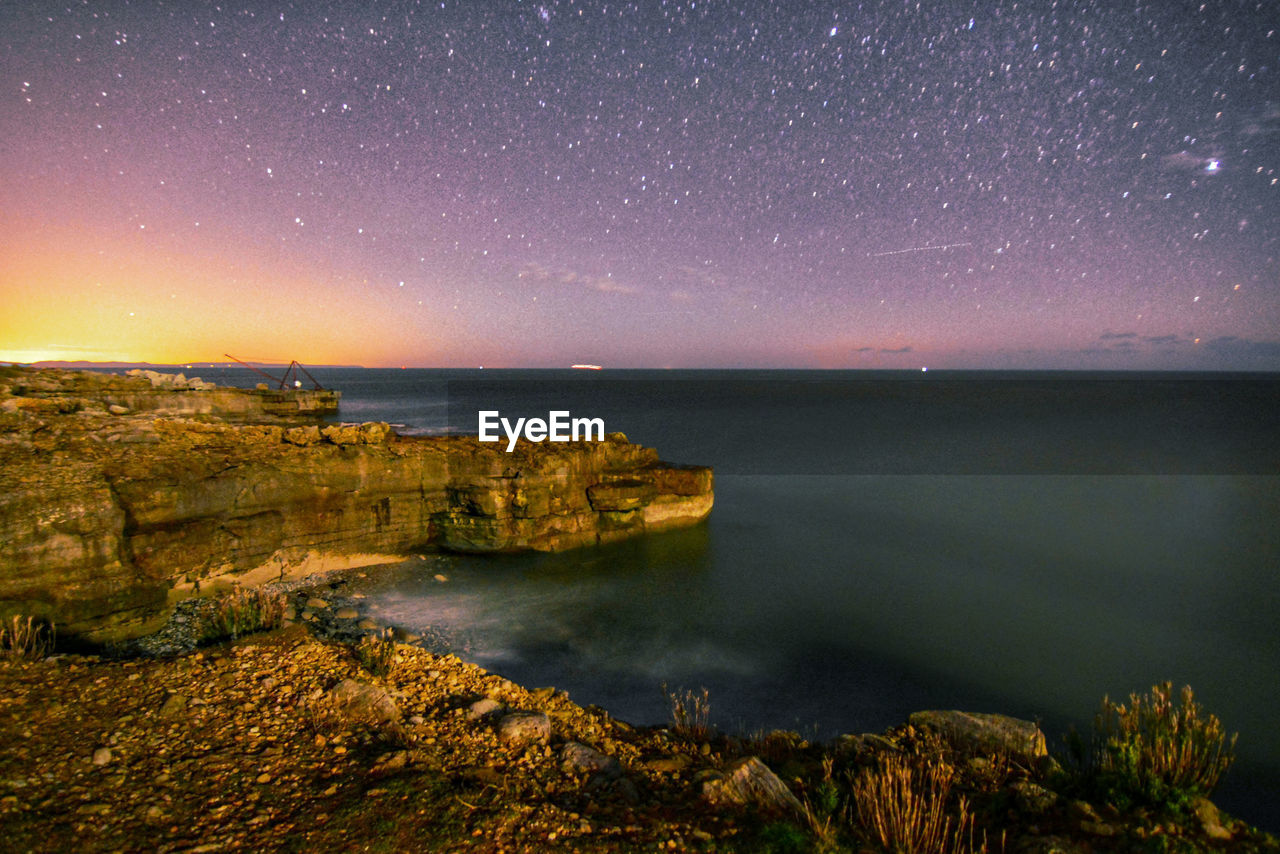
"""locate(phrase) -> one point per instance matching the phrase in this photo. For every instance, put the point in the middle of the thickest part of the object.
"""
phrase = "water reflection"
(835, 604)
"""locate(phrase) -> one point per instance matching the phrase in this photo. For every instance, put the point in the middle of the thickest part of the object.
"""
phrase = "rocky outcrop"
(979, 733)
(108, 520)
(50, 391)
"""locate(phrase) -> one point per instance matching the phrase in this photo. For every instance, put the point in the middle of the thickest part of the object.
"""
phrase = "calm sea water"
(883, 543)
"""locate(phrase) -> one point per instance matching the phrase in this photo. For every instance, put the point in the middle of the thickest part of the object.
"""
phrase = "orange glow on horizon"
(73, 295)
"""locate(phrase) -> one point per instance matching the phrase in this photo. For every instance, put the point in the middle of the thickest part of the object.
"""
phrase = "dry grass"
(690, 712)
(377, 653)
(901, 804)
(26, 639)
(323, 715)
(243, 611)
(1154, 751)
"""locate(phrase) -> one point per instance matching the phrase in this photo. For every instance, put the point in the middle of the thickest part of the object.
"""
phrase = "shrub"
(26, 639)
(377, 653)
(1156, 753)
(822, 810)
(243, 612)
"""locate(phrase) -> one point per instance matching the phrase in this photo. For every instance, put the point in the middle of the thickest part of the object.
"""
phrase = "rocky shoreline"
(112, 515)
(335, 732)
(291, 740)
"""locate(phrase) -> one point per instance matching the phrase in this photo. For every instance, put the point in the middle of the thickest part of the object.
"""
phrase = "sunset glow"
(689, 185)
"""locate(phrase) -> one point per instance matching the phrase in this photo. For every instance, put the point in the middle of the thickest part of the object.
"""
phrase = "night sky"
(651, 184)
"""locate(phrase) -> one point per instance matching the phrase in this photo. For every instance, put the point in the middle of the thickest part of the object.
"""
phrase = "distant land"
(183, 365)
(899, 373)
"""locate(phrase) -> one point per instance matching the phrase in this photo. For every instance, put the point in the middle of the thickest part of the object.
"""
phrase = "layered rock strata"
(108, 520)
(51, 391)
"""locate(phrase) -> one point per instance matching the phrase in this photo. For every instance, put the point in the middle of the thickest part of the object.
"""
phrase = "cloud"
(906, 349)
(1225, 352)
(1185, 161)
(1164, 340)
(535, 272)
(702, 277)
(1265, 123)
(606, 285)
(1245, 348)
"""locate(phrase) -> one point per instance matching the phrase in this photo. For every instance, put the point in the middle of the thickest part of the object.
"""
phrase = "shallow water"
(835, 604)
(883, 543)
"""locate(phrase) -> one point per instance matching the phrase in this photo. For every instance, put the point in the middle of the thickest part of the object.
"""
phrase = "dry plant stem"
(244, 611)
(690, 712)
(902, 804)
(26, 639)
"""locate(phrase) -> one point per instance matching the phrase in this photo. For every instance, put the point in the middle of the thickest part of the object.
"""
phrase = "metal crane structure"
(291, 374)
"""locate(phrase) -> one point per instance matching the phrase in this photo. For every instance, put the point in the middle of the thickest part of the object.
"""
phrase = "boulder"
(375, 432)
(360, 701)
(519, 729)
(985, 733)
(342, 434)
(482, 708)
(581, 759)
(302, 436)
(749, 783)
(1210, 819)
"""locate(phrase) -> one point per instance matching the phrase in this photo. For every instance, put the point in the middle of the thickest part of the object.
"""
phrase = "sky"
(653, 184)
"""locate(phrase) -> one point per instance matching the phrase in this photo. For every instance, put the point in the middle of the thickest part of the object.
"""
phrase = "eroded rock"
(985, 733)
(109, 520)
(749, 783)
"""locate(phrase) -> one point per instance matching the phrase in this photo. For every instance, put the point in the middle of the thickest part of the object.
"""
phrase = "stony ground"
(249, 746)
(292, 741)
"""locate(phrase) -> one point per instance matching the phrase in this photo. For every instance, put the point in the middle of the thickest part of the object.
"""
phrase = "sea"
(884, 542)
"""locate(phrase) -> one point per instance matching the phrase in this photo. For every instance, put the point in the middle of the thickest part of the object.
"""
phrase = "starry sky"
(865, 184)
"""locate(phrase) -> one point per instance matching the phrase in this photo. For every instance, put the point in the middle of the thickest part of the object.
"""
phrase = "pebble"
(522, 728)
(315, 603)
(583, 759)
(173, 706)
(482, 708)
(346, 613)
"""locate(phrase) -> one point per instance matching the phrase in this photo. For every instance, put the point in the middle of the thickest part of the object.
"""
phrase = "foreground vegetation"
(287, 741)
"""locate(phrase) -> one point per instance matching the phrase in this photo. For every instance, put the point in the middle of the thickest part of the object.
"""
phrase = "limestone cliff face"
(64, 392)
(107, 520)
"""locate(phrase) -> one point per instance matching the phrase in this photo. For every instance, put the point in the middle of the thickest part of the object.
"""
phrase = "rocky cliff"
(52, 391)
(108, 520)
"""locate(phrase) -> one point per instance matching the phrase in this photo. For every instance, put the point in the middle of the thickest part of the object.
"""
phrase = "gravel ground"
(257, 745)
